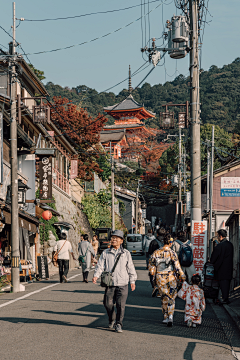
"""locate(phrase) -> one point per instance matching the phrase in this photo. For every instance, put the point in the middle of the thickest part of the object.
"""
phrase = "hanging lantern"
(47, 215)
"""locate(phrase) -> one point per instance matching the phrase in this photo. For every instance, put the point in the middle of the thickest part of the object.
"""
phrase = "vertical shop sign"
(74, 169)
(45, 175)
(42, 267)
(199, 241)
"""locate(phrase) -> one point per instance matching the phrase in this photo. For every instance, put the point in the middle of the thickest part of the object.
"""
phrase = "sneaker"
(170, 321)
(189, 323)
(118, 328)
(111, 325)
(65, 279)
(194, 325)
(165, 321)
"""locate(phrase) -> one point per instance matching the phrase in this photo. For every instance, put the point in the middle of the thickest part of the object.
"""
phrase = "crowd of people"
(171, 270)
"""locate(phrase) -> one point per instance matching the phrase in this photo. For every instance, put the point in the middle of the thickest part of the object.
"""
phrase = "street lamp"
(22, 189)
(167, 120)
(41, 114)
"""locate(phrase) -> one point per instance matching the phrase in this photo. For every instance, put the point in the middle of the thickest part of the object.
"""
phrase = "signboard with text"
(199, 241)
(45, 177)
(74, 169)
(230, 186)
(43, 267)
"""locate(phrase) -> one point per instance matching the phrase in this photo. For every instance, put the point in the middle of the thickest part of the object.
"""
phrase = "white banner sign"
(230, 186)
(199, 241)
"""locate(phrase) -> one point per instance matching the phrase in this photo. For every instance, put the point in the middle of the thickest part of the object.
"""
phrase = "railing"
(61, 181)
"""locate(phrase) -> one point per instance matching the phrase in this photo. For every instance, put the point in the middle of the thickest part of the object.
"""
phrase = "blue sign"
(230, 192)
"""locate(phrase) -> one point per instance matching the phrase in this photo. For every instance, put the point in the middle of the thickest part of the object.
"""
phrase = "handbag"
(106, 277)
(81, 258)
(55, 255)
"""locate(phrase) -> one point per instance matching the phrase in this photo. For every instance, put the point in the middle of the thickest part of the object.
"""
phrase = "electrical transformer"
(176, 53)
(180, 31)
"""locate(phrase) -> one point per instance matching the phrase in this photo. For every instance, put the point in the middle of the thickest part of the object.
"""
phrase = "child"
(195, 301)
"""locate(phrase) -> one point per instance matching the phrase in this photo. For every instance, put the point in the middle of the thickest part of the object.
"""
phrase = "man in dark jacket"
(158, 242)
(222, 260)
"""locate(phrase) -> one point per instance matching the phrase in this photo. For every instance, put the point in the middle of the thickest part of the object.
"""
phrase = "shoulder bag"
(55, 255)
(106, 277)
(81, 258)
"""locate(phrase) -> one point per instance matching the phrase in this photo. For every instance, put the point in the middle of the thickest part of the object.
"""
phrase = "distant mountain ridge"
(219, 96)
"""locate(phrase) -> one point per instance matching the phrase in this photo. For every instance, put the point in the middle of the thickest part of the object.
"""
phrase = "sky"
(103, 63)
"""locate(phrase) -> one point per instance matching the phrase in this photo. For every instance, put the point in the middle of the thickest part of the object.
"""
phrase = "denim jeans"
(63, 268)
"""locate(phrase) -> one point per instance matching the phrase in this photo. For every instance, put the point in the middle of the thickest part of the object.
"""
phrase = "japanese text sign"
(230, 186)
(45, 174)
(74, 169)
(199, 241)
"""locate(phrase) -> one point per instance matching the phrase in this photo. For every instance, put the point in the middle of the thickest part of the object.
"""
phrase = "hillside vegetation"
(219, 96)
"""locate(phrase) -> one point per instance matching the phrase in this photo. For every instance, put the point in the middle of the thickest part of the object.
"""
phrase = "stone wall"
(70, 212)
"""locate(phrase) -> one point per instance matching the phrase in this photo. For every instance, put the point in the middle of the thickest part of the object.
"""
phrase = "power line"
(98, 38)
(93, 13)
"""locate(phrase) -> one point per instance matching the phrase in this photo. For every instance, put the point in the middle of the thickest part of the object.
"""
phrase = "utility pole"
(211, 192)
(195, 114)
(184, 174)
(112, 187)
(136, 217)
(15, 279)
(179, 167)
(208, 174)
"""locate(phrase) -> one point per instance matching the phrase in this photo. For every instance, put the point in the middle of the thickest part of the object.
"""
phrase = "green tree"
(38, 73)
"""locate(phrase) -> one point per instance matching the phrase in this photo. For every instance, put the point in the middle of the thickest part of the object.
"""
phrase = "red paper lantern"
(47, 215)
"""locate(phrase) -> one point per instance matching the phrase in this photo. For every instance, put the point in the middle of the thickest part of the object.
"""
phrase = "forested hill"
(219, 95)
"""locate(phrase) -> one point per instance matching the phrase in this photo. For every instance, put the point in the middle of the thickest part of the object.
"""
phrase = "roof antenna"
(130, 81)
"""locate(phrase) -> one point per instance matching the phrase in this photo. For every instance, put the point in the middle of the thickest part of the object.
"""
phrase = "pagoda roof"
(122, 126)
(114, 135)
(128, 104)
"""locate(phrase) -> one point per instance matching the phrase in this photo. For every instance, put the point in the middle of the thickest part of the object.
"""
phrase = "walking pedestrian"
(80, 240)
(95, 245)
(156, 244)
(146, 242)
(165, 267)
(123, 273)
(63, 248)
(184, 250)
(195, 301)
(85, 251)
(222, 260)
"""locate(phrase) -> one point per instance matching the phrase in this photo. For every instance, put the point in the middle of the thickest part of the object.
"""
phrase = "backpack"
(185, 254)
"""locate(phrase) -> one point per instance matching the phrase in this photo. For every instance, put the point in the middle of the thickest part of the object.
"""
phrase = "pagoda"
(129, 116)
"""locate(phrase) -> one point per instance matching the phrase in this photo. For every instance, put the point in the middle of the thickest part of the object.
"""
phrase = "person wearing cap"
(123, 273)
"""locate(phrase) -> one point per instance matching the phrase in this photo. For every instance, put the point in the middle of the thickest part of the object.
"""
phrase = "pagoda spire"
(130, 81)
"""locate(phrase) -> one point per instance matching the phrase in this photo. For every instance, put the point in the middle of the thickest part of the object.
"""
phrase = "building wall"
(72, 214)
(224, 203)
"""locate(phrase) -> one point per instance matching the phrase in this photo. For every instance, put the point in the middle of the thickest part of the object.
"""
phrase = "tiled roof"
(127, 104)
(123, 126)
(114, 135)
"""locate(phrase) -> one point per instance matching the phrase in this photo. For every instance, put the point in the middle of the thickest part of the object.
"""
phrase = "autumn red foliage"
(84, 132)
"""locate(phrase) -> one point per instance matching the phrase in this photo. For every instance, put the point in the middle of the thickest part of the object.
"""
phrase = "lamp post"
(22, 189)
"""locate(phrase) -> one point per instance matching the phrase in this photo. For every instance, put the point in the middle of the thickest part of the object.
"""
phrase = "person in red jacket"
(222, 260)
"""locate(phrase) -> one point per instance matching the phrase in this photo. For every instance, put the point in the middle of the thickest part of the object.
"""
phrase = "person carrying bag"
(115, 268)
(85, 251)
(107, 276)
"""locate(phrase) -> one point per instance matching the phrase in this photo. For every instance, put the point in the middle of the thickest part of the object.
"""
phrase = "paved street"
(68, 321)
